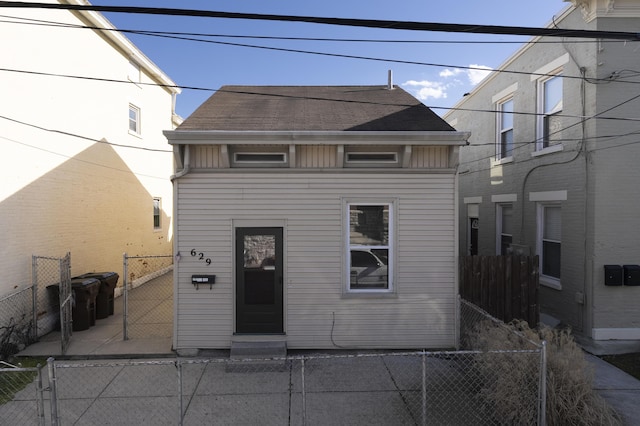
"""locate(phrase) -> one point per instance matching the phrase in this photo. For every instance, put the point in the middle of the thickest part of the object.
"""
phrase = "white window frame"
(390, 246)
(543, 140)
(501, 130)
(136, 121)
(547, 280)
(260, 157)
(157, 201)
(499, 225)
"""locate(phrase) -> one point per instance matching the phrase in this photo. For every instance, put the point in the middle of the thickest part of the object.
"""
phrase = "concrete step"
(257, 356)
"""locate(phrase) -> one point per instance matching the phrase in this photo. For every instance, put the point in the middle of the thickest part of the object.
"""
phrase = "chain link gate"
(53, 296)
(147, 296)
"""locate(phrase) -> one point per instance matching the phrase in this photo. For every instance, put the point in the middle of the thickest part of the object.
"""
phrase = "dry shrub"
(511, 380)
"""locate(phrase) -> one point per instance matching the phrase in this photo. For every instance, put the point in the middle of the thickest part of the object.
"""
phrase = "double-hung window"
(504, 225)
(370, 250)
(156, 213)
(134, 119)
(550, 242)
(549, 107)
(505, 129)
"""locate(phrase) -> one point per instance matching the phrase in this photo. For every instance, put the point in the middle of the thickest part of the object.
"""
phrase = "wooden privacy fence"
(504, 286)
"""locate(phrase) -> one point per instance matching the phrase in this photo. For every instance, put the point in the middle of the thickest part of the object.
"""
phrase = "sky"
(438, 85)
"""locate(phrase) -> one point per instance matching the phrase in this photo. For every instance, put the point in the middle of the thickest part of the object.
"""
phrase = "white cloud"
(475, 74)
(478, 73)
(450, 72)
(427, 89)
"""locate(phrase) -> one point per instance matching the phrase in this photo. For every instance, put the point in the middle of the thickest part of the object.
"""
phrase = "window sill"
(548, 150)
(550, 282)
(137, 135)
(501, 161)
(369, 294)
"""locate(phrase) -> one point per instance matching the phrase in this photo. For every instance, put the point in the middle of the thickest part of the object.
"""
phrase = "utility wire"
(365, 23)
(39, 22)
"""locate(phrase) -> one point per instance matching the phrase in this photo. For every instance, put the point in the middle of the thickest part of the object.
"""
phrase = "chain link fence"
(17, 326)
(148, 296)
(21, 395)
(416, 388)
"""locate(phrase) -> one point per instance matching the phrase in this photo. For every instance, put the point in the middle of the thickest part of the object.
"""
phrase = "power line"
(365, 23)
(39, 22)
(61, 132)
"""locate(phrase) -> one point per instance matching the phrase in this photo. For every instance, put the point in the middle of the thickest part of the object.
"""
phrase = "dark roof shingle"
(313, 108)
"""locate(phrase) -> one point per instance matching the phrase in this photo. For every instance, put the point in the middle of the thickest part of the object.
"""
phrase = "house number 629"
(200, 256)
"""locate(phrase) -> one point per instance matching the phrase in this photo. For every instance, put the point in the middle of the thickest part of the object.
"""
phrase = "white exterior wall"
(61, 193)
(309, 206)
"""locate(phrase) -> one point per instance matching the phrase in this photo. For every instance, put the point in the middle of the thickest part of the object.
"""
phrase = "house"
(84, 165)
(318, 216)
(551, 169)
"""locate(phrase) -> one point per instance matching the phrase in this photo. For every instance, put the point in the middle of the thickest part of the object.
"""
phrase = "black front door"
(259, 280)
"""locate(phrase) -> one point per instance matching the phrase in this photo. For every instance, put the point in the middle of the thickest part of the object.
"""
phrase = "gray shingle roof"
(313, 108)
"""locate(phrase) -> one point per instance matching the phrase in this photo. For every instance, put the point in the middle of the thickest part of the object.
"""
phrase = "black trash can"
(104, 300)
(83, 313)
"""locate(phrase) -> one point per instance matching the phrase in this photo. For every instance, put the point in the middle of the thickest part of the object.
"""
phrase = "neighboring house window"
(156, 213)
(504, 225)
(549, 106)
(550, 242)
(505, 129)
(134, 72)
(369, 246)
(134, 119)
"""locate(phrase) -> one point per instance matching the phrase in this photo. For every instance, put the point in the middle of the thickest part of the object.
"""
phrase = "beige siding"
(432, 157)
(206, 156)
(316, 156)
(317, 314)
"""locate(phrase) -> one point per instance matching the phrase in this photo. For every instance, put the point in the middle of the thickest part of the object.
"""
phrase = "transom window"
(260, 157)
(369, 248)
(372, 157)
(505, 129)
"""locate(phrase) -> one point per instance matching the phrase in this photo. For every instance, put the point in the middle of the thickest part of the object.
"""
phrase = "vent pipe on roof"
(390, 80)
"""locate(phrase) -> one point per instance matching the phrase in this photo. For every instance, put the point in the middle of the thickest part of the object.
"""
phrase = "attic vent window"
(260, 157)
(372, 157)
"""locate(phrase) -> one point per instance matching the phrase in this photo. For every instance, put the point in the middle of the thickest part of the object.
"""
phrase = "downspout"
(186, 168)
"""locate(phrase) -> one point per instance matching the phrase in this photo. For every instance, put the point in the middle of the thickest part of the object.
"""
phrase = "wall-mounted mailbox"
(196, 280)
(631, 274)
(612, 275)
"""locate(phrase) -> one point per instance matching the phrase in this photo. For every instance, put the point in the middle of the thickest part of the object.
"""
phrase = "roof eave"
(202, 137)
(122, 42)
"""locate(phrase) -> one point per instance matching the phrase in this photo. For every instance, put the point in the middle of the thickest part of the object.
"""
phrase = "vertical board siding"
(316, 156)
(432, 157)
(205, 156)
(317, 313)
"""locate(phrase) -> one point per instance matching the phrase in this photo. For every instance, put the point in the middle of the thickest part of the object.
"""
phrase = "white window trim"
(499, 233)
(159, 228)
(262, 161)
(504, 198)
(350, 160)
(347, 246)
(545, 280)
(500, 130)
(540, 112)
(138, 130)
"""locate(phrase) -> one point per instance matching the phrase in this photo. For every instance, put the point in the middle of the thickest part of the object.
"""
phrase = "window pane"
(552, 224)
(368, 270)
(369, 225)
(507, 219)
(506, 117)
(156, 213)
(553, 95)
(506, 143)
(551, 259)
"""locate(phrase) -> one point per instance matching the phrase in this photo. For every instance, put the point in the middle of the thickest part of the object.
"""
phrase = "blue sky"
(210, 65)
